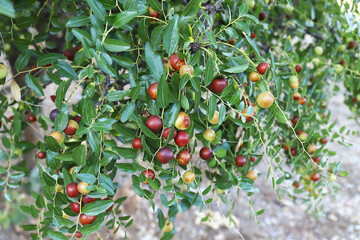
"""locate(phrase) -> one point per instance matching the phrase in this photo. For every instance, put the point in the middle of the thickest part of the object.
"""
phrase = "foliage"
(119, 48)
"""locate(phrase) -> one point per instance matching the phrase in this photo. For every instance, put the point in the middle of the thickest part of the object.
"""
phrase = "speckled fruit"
(182, 138)
(71, 128)
(136, 143)
(189, 177)
(252, 175)
(152, 90)
(240, 161)
(154, 123)
(215, 118)
(261, 68)
(168, 227)
(218, 84)
(81, 187)
(165, 155)
(265, 99)
(206, 153)
(311, 148)
(254, 77)
(41, 155)
(149, 174)
(296, 96)
(85, 219)
(186, 69)
(183, 121)
(296, 184)
(209, 135)
(58, 136)
(72, 191)
(302, 101)
(75, 207)
(183, 157)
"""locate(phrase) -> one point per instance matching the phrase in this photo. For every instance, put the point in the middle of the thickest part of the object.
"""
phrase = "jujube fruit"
(218, 84)
(152, 90)
(209, 135)
(182, 138)
(206, 153)
(31, 118)
(149, 174)
(165, 155)
(81, 187)
(41, 155)
(154, 123)
(261, 68)
(85, 219)
(75, 207)
(71, 128)
(183, 157)
(240, 161)
(254, 77)
(166, 133)
(58, 136)
(136, 143)
(183, 121)
(72, 191)
(53, 114)
(189, 177)
(265, 99)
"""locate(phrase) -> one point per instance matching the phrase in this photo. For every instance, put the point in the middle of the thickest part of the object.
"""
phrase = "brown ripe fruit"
(218, 84)
(252, 175)
(41, 155)
(209, 135)
(342, 62)
(71, 128)
(261, 68)
(175, 62)
(153, 14)
(295, 119)
(323, 140)
(31, 118)
(58, 136)
(69, 54)
(167, 132)
(206, 153)
(152, 90)
(77, 119)
(53, 98)
(311, 148)
(286, 147)
(296, 185)
(189, 177)
(315, 177)
(78, 234)
(183, 158)
(149, 174)
(86, 199)
(168, 227)
(248, 118)
(316, 159)
(262, 15)
(72, 191)
(296, 96)
(182, 121)
(136, 143)
(81, 187)
(293, 152)
(302, 101)
(351, 45)
(186, 69)
(165, 155)
(154, 123)
(252, 159)
(75, 207)
(265, 99)
(240, 161)
(298, 68)
(231, 40)
(254, 77)
(182, 138)
(85, 219)
(253, 35)
(53, 114)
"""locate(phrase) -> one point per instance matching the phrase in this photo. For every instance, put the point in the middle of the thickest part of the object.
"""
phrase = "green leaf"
(171, 36)
(97, 9)
(124, 17)
(280, 116)
(31, 82)
(94, 140)
(97, 207)
(126, 167)
(163, 98)
(171, 114)
(103, 124)
(155, 5)
(86, 177)
(209, 71)
(156, 36)
(7, 8)
(154, 62)
(207, 190)
(212, 39)
(49, 58)
(192, 8)
(253, 46)
(78, 21)
(92, 228)
(116, 45)
(23, 59)
(106, 182)
(82, 35)
(212, 106)
(25, 22)
(237, 69)
(220, 153)
(65, 70)
(126, 152)
(62, 119)
(243, 26)
(79, 155)
(118, 95)
(52, 144)
(57, 235)
(128, 110)
(49, 180)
